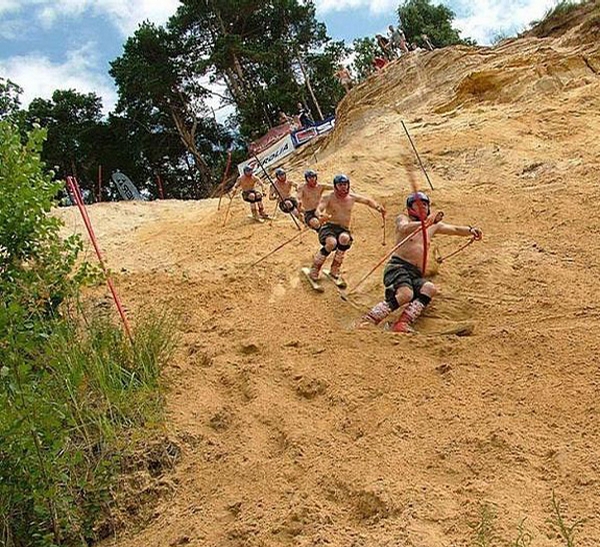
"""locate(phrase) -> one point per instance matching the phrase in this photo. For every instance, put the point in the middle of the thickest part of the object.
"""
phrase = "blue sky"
(61, 44)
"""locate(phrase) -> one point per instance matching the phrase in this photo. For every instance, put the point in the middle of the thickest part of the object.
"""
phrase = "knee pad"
(344, 247)
(258, 196)
(390, 298)
(286, 206)
(324, 251)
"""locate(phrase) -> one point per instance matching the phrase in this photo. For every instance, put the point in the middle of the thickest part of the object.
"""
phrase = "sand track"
(296, 429)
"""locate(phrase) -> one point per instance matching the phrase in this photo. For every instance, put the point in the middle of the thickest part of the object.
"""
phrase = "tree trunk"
(310, 89)
(188, 138)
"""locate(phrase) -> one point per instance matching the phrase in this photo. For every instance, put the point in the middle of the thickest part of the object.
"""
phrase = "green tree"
(418, 17)
(72, 120)
(266, 52)
(160, 95)
(10, 102)
(365, 50)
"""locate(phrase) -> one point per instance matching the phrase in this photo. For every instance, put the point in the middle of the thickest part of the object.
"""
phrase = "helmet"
(248, 170)
(279, 172)
(417, 197)
(309, 173)
(341, 179)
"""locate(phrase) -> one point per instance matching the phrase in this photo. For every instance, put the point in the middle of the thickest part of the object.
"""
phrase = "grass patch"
(560, 526)
(556, 17)
(72, 403)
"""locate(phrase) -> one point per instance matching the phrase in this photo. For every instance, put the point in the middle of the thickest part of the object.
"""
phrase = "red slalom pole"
(74, 187)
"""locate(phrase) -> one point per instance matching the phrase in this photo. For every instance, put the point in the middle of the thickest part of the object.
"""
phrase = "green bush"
(72, 386)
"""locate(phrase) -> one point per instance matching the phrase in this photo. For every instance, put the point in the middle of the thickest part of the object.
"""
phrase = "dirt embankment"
(297, 430)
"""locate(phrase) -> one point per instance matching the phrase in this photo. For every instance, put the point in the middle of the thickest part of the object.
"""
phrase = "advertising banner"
(302, 136)
(125, 187)
(271, 137)
(272, 155)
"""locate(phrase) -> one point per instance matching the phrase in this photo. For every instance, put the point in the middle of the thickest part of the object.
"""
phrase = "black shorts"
(257, 196)
(329, 229)
(400, 273)
(308, 215)
(288, 204)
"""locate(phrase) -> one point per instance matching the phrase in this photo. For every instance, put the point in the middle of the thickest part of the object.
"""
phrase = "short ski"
(340, 283)
(314, 284)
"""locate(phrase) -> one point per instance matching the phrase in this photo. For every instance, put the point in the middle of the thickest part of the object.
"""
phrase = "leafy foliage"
(68, 394)
(418, 17)
(73, 123)
(9, 99)
(162, 105)
(365, 50)
(256, 48)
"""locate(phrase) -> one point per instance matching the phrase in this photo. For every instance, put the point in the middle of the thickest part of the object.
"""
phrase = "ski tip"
(314, 284)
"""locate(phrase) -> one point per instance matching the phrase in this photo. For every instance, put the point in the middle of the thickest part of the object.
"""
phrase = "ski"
(314, 284)
(339, 282)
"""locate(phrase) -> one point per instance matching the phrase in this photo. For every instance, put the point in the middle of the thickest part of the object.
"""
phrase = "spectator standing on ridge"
(304, 116)
(379, 63)
(427, 42)
(397, 40)
(344, 76)
(384, 45)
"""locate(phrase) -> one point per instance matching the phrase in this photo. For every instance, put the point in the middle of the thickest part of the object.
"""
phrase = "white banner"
(271, 155)
(125, 187)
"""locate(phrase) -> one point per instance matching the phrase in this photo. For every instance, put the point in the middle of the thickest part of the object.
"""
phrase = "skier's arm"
(370, 202)
(465, 231)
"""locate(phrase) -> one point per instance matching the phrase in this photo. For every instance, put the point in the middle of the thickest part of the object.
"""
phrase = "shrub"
(70, 390)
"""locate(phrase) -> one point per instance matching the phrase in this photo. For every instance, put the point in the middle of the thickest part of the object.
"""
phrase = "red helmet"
(417, 197)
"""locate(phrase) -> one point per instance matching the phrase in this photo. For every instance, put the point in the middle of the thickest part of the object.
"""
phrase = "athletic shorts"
(329, 229)
(308, 215)
(400, 273)
(288, 204)
(257, 196)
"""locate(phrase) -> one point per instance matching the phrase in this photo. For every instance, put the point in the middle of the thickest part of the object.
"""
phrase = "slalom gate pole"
(416, 153)
(296, 236)
(161, 194)
(277, 190)
(74, 187)
(225, 173)
(227, 212)
(99, 183)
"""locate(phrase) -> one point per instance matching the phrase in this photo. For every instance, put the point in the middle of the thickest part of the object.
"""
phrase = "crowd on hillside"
(391, 47)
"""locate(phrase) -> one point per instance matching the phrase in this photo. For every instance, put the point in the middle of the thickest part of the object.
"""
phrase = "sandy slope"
(296, 429)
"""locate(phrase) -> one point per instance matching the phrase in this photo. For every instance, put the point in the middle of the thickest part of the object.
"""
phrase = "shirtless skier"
(403, 279)
(249, 182)
(334, 234)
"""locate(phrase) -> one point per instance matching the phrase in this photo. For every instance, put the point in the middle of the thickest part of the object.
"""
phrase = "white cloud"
(374, 6)
(487, 18)
(126, 15)
(40, 77)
